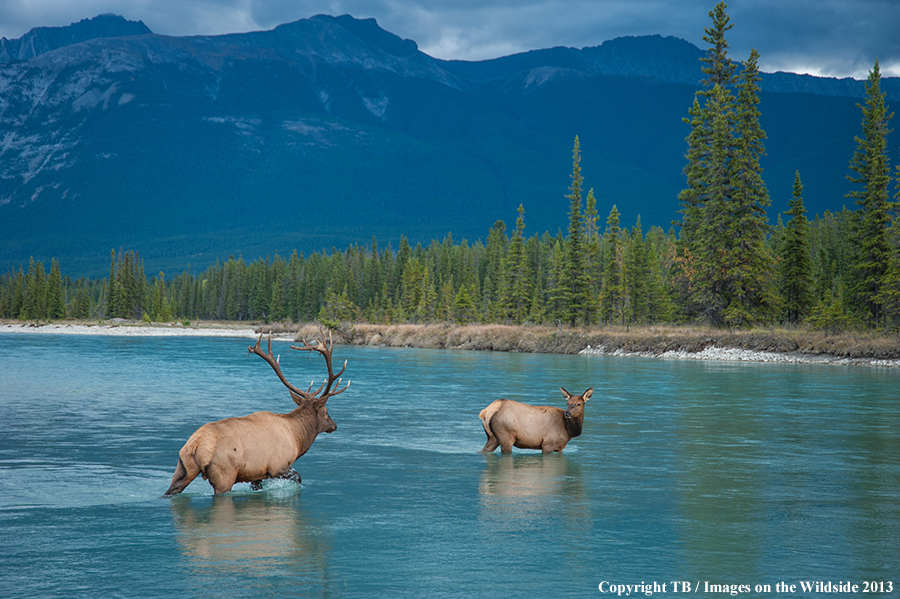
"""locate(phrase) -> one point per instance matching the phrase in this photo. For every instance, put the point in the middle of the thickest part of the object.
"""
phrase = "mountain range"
(331, 131)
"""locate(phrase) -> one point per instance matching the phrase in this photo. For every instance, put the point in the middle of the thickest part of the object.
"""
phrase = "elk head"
(575, 403)
(329, 387)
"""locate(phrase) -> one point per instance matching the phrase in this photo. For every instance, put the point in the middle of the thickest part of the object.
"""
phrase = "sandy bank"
(132, 330)
(666, 344)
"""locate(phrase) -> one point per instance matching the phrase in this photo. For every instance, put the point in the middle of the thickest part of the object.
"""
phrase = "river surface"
(707, 473)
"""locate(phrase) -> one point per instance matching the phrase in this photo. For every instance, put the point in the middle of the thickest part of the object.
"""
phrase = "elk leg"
(180, 480)
(506, 441)
(290, 474)
(491, 445)
(221, 481)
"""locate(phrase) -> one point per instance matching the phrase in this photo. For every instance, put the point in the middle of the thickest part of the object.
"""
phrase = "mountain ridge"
(41, 40)
(329, 130)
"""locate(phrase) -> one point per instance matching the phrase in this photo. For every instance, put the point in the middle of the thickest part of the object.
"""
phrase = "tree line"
(722, 263)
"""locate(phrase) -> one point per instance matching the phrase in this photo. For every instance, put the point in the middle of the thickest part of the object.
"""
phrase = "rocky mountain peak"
(41, 40)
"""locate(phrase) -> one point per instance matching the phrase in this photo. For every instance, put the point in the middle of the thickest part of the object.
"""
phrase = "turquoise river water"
(720, 479)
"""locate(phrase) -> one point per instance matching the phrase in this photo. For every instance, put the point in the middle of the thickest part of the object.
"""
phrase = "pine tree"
(889, 294)
(592, 244)
(81, 306)
(56, 298)
(637, 277)
(715, 230)
(725, 268)
(613, 286)
(560, 294)
(872, 171)
(574, 273)
(704, 203)
(661, 307)
(464, 308)
(717, 66)
(18, 294)
(112, 295)
(491, 272)
(155, 313)
(751, 297)
(5, 296)
(413, 285)
(796, 265)
(516, 288)
(34, 292)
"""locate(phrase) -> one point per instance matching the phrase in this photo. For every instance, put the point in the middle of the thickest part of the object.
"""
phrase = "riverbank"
(127, 328)
(664, 342)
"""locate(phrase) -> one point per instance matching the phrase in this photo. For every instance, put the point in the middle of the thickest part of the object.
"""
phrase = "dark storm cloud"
(826, 37)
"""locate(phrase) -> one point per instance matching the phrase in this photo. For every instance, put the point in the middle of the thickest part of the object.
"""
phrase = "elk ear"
(319, 402)
(565, 393)
(297, 399)
(588, 394)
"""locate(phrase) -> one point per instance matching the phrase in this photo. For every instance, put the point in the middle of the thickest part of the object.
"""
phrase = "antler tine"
(274, 363)
(325, 347)
(340, 390)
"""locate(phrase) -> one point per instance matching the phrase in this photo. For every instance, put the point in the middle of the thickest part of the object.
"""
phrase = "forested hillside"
(632, 276)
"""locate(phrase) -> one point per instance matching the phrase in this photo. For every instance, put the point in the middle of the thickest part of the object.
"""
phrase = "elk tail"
(487, 415)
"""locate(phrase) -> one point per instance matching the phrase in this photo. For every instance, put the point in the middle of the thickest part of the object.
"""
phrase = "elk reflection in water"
(257, 534)
(531, 487)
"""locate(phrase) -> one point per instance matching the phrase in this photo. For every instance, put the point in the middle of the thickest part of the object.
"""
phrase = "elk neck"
(304, 420)
(573, 425)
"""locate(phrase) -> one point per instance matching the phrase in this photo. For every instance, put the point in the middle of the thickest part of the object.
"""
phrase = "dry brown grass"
(654, 340)
(649, 340)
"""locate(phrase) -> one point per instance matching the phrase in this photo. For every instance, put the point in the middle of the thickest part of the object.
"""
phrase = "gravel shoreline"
(135, 330)
(721, 354)
(734, 354)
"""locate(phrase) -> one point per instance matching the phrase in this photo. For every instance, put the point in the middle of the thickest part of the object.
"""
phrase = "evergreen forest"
(722, 264)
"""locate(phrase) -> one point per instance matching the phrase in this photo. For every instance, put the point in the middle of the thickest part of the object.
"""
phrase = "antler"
(298, 394)
(325, 348)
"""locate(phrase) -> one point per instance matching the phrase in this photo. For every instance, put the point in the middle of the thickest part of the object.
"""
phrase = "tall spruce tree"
(709, 249)
(725, 267)
(870, 165)
(889, 294)
(717, 67)
(592, 244)
(637, 275)
(516, 288)
(795, 263)
(574, 275)
(703, 201)
(613, 286)
(34, 298)
(56, 297)
(751, 296)
(560, 294)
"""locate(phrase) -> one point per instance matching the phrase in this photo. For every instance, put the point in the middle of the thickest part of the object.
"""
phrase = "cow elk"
(509, 424)
(261, 445)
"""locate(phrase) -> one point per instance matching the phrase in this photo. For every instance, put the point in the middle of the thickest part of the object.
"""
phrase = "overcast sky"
(835, 38)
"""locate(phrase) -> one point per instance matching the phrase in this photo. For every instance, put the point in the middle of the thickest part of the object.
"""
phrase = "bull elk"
(261, 445)
(509, 424)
